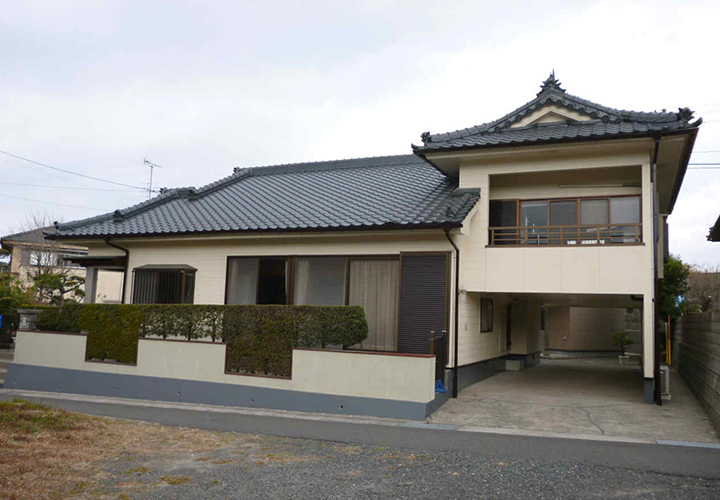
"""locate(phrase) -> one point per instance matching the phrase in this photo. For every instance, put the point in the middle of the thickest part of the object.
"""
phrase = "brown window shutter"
(423, 300)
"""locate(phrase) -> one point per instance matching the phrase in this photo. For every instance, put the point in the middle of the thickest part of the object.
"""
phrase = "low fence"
(696, 356)
(378, 384)
(260, 339)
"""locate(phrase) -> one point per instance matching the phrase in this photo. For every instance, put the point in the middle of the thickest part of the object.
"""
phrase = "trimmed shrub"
(65, 318)
(260, 338)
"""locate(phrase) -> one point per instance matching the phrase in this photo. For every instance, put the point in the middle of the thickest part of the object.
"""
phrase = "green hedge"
(260, 338)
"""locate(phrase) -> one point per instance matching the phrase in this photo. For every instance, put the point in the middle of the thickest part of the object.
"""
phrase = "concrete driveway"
(589, 397)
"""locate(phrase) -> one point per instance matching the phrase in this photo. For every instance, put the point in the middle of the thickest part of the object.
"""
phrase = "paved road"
(446, 463)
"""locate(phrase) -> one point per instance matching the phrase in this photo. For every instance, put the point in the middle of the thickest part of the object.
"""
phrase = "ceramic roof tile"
(603, 122)
(382, 192)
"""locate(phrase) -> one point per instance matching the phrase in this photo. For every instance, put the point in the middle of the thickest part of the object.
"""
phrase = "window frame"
(485, 301)
(183, 270)
(578, 199)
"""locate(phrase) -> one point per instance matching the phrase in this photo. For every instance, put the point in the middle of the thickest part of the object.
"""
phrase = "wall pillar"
(91, 276)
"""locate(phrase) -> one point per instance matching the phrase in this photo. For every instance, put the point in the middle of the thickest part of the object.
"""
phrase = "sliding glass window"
(375, 285)
(320, 281)
(567, 221)
(252, 280)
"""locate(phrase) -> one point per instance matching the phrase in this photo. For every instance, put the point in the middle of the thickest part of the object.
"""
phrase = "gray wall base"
(42, 378)
(649, 390)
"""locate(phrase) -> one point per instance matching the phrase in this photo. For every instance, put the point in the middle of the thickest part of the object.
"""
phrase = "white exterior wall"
(496, 271)
(381, 376)
(209, 255)
(619, 270)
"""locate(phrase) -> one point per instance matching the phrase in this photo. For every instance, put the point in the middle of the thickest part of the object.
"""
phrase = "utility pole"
(152, 166)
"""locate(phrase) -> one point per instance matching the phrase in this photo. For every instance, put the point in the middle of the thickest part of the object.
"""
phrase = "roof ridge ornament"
(426, 138)
(551, 83)
(685, 114)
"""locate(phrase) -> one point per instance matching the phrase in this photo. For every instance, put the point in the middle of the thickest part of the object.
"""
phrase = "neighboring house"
(714, 234)
(32, 250)
(562, 202)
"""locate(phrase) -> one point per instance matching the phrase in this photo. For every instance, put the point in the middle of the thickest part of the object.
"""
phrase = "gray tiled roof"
(604, 123)
(389, 192)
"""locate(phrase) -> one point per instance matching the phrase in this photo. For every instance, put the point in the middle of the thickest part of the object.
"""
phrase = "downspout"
(457, 297)
(125, 272)
(656, 280)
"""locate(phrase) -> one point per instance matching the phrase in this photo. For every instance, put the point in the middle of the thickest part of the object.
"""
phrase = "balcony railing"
(605, 234)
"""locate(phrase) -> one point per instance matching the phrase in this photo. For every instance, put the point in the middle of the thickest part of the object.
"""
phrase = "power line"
(703, 168)
(703, 163)
(129, 190)
(68, 171)
(708, 151)
(53, 203)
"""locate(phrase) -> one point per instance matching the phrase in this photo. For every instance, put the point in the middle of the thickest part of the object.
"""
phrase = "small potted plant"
(623, 341)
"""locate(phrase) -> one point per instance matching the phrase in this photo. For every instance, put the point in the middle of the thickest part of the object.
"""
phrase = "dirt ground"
(51, 453)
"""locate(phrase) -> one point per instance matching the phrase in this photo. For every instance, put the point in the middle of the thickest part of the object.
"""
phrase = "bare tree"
(52, 279)
(704, 281)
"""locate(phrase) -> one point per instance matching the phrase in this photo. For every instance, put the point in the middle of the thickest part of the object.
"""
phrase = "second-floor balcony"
(605, 234)
(598, 220)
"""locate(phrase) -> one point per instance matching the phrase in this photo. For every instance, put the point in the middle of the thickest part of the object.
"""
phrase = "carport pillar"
(650, 234)
(648, 345)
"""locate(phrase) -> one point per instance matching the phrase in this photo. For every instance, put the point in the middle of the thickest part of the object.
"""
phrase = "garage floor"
(591, 397)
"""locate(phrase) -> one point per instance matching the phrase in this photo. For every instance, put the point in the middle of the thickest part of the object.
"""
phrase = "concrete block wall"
(696, 356)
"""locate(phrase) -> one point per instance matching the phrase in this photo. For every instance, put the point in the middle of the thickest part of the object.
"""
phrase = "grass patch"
(176, 480)
(50, 453)
(24, 417)
(139, 470)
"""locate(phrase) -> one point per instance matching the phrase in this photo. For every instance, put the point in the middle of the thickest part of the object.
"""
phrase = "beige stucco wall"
(515, 173)
(108, 287)
(209, 254)
(402, 378)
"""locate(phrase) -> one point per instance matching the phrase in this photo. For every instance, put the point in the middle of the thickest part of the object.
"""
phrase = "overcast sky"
(200, 87)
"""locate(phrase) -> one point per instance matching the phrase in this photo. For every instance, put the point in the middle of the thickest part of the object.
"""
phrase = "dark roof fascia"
(715, 231)
(680, 173)
(396, 226)
(634, 135)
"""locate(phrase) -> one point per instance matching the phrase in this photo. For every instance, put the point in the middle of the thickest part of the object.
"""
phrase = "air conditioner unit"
(665, 382)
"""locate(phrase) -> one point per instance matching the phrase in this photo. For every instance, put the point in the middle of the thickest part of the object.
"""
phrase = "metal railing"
(604, 234)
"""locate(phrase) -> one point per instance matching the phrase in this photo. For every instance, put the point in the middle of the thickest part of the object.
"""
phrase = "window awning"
(97, 260)
(180, 267)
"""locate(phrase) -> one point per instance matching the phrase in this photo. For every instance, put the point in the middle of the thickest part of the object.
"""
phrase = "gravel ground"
(269, 467)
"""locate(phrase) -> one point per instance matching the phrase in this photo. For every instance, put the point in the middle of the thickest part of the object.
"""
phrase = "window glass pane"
(593, 212)
(486, 315)
(374, 285)
(169, 287)
(320, 281)
(625, 210)
(242, 276)
(145, 287)
(272, 281)
(189, 288)
(563, 213)
(533, 213)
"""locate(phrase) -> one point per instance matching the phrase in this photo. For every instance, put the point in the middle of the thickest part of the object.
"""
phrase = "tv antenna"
(152, 166)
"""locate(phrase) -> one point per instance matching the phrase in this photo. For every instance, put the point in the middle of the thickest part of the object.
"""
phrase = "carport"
(581, 397)
(580, 392)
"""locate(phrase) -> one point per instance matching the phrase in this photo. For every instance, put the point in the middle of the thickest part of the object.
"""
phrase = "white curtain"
(242, 275)
(374, 285)
(302, 281)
